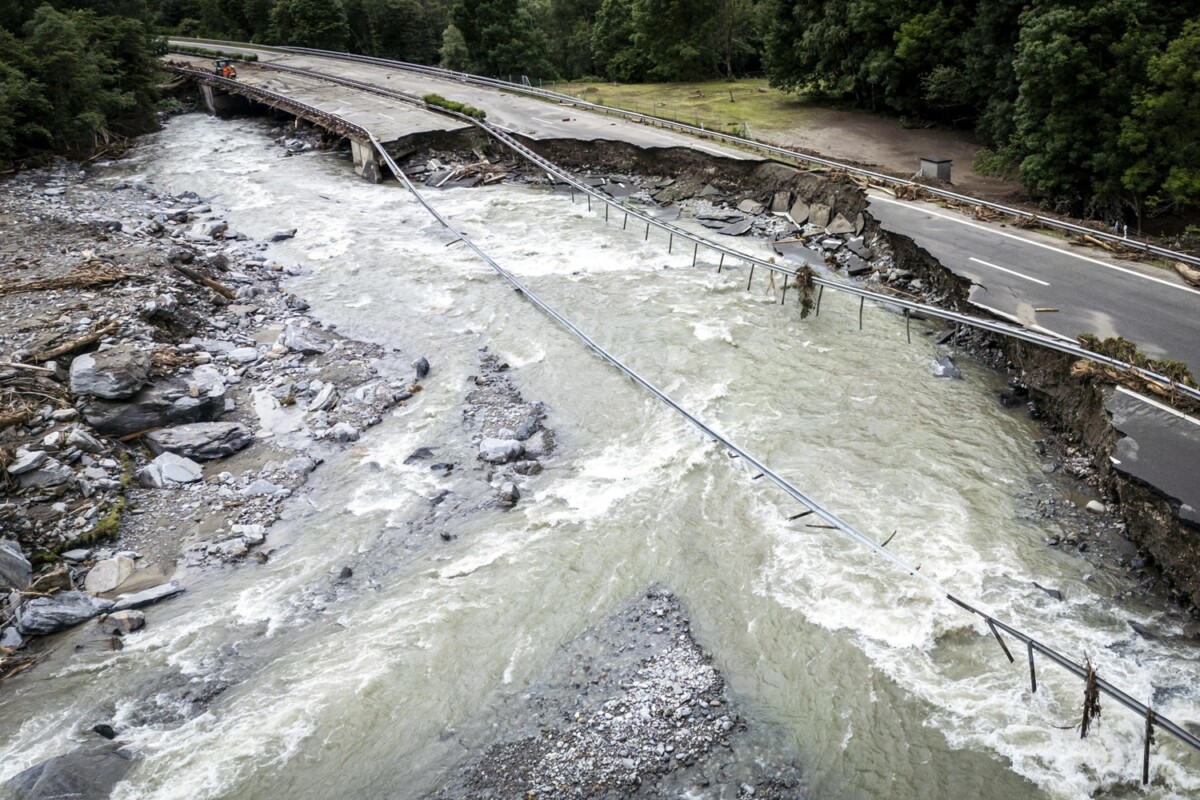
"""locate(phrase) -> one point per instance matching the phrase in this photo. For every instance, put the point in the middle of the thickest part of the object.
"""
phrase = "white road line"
(1159, 405)
(1005, 269)
(1043, 245)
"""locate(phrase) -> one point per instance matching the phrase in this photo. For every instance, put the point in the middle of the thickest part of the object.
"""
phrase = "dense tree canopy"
(72, 79)
(1094, 104)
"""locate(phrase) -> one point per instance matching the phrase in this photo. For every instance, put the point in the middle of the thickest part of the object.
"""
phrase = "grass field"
(718, 105)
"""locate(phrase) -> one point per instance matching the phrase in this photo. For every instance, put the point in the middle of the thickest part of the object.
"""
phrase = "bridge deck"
(389, 120)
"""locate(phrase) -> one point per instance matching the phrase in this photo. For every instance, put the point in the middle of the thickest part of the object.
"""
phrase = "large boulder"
(113, 374)
(168, 469)
(108, 574)
(155, 406)
(15, 570)
(58, 612)
(85, 774)
(203, 441)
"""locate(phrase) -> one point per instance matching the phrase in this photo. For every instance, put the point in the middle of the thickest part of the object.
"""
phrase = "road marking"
(1021, 324)
(1043, 245)
(1005, 269)
(1158, 405)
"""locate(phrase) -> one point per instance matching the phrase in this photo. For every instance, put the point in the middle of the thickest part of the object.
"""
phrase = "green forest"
(1093, 104)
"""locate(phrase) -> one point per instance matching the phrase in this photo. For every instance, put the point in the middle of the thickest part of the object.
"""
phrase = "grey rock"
(261, 488)
(282, 236)
(167, 469)
(251, 533)
(737, 228)
(11, 638)
(509, 494)
(344, 432)
(85, 441)
(43, 615)
(421, 365)
(207, 381)
(51, 473)
(108, 574)
(16, 572)
(85, 774)
(156, 406)
(858, 247)
(306, 340)
(819, 214)
(120, 623)
(945, 368)
(537, 445)
(77, 555)
(780, 202)
(113, 374)
(243, 355)
(147, 596)
(300, 465)
(26, 461)
(860, 222)
(326, 398)
(371, 172)
(203, 441)
(1096, 507)
(500, 451)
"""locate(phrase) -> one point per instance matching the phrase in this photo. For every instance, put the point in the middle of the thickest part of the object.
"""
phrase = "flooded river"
(369, 688)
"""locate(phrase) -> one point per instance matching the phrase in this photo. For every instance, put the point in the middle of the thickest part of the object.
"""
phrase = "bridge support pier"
(367, 162)
(219, 103)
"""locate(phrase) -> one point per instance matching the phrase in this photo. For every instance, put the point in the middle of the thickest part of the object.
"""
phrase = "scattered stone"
(500, 451)
(344, 432)
(120, 623)
(43, 615)
(26, 461)
(282, 236)
(509, 495)
(306, 340)
(946, 368)
(780, 202)
(345, 574)
(261, 488)
(1096, 507)
(105, 730)
(201, 440)
(751, 206)
(76, 556)
(421, 365)
(169, 468)
(840, 226)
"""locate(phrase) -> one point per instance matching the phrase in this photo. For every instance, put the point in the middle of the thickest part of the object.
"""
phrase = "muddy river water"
(367, 688)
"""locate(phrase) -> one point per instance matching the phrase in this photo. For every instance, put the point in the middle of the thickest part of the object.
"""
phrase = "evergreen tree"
(311, 23)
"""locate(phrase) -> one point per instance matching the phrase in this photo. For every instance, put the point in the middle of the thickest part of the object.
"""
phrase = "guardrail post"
(670, 243)
(606, 213)
(861, 302)
(589, 197)
(626, 222)
(695, 252)
(1149, 741)
(751, 276)
(908, 335)
(820, 294)
(1032, 672)
(646, 238)
(721, 264)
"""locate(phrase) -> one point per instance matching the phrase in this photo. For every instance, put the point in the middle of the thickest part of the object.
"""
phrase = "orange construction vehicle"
(224, 68)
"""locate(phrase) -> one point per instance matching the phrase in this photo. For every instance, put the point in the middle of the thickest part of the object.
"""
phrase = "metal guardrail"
(1153, 719)
(908, 306)
(743, 142)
